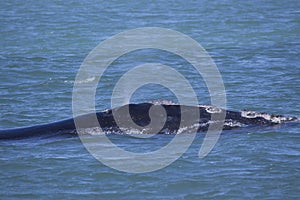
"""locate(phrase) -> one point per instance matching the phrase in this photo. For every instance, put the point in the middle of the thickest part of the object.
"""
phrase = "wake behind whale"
(139, 114)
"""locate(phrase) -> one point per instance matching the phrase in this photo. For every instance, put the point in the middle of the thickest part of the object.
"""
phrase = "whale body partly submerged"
(139, 114)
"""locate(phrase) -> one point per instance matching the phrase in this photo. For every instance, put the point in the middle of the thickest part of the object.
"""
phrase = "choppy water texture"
(255, 44)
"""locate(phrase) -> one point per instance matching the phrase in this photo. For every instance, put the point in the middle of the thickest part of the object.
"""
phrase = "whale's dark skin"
(140, 115)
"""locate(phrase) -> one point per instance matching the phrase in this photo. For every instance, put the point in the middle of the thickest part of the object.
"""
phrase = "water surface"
(255, 44)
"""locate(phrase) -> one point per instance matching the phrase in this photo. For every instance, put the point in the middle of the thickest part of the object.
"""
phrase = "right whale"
(139, 114)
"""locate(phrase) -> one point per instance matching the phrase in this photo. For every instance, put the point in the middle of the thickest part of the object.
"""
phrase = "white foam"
(163, 102)
(232, 123)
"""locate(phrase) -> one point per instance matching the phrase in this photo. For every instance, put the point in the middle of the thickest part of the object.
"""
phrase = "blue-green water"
(255, 44)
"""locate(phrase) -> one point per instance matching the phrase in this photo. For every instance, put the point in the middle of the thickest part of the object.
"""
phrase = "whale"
(140, 114)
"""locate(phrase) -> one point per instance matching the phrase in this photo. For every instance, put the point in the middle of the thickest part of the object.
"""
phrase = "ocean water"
(255, 44)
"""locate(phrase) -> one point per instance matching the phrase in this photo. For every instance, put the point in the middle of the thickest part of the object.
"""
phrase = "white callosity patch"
(272, 118)
(213, 109)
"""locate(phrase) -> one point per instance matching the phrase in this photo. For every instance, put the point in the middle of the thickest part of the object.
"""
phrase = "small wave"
(88, 80)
